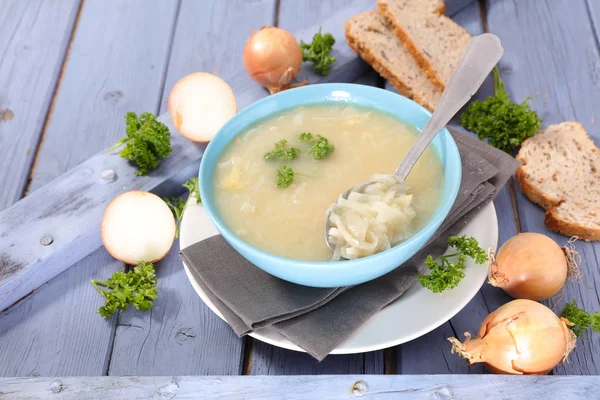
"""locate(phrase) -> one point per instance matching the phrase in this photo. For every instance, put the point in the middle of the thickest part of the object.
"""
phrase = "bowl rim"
(321, 266)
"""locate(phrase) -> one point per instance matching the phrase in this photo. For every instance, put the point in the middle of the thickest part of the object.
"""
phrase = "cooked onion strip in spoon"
(372, 219)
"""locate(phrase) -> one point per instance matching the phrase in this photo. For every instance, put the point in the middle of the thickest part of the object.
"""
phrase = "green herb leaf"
(147, 141)
(177, 206)
(281, 152)
(306, 137)
(284, 176)
(505, 124)
(192, 186)
(447, 274)
(318, 51)
(580, 319)
(321, 149)
(136, 287)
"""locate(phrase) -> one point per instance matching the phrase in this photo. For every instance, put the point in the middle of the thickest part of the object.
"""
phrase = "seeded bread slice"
(435, 41)
(561, 172)
(369, 36)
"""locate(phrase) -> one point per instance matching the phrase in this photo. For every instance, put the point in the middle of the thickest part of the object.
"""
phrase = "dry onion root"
(200, 104)
(523, 337)
(138, 226)
(273, 58)
(532, 266)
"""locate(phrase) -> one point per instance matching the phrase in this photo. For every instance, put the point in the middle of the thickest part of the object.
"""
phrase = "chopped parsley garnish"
(284, 176)
(321, 149)
(449, 271)
(306, 137)
(282, 152)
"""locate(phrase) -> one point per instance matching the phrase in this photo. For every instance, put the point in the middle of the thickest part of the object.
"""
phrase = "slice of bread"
(435, 41)
(561, 172)
(369, 36)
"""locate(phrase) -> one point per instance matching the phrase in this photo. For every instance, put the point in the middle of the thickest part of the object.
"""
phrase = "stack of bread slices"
(412, 44)
(415, 47)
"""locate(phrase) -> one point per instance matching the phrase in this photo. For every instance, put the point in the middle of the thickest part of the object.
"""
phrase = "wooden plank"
(181, 335)
(33, 41)
(551, 55)
(430, 354)
(70, 208)
(56, 330)
(425, 387)
(266, 359)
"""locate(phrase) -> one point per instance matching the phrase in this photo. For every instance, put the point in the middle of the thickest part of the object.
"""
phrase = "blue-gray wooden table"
(71, 69)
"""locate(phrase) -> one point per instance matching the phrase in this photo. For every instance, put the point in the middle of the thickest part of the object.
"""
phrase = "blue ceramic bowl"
(342, 273)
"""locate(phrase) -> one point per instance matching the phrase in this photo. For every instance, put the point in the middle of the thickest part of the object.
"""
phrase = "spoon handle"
(482, 54)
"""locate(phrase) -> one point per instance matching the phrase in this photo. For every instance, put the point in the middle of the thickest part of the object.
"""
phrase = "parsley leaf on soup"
(321, 149)
(282, 152)
(284, 176)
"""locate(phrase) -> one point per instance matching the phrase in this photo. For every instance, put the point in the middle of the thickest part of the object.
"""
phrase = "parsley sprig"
(320, 148)
(282, 152)
(136, 287)
(147, 141)
(580, 319)
(505, 124)
(317, 52)
(449, 271)
(177, 204)
(284, 176)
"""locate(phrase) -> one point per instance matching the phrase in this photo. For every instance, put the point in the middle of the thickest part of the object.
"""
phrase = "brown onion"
(522, 337)
(272, 57)
(532, 266)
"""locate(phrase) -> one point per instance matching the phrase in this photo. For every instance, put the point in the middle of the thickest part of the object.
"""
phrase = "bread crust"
(419, 58)
(367, 55)
(552, 219)
(567, 228)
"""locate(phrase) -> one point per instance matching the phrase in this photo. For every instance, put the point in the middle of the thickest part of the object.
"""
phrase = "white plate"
(425, 310)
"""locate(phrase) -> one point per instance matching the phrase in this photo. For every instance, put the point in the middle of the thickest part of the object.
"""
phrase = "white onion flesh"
(138, 226)
(200, 104)
(373, 220)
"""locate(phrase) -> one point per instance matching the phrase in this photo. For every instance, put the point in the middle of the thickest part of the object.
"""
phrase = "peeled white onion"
(138, 226)
(200, 104)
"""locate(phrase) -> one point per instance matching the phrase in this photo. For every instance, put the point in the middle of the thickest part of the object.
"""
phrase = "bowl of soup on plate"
(272, 173)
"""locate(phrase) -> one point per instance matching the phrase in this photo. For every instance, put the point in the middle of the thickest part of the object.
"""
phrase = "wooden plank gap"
(277, 8)
(247, 356)
(513, 199)
(390, 362)
(483, 13)
(163, 78)
(48, 116)
(111, 345)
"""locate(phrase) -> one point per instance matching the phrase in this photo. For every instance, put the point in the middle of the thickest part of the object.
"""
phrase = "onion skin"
(523, 337)
(272, 57)
(529, 266)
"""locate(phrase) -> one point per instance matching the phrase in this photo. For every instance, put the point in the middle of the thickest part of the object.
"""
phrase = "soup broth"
(289, 222)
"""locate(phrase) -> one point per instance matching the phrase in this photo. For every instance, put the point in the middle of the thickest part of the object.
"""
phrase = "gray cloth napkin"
(316, 319)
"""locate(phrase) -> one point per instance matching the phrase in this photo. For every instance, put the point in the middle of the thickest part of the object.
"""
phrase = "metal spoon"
(482, 54)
